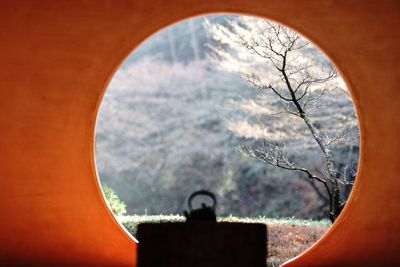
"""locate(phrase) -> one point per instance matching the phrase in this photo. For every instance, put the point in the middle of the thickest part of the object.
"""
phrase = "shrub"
(117, 206)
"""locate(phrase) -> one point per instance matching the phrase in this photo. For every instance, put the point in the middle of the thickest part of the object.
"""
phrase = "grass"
(287, 237)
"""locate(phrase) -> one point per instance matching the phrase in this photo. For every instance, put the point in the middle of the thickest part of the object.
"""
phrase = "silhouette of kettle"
(205, 213)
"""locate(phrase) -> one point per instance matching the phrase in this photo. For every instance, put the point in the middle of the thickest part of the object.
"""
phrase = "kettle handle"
(204, 193)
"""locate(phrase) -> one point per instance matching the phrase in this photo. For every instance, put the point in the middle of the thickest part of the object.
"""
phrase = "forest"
(176, 116)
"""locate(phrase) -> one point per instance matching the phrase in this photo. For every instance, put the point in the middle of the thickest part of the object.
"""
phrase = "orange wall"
(57, 57)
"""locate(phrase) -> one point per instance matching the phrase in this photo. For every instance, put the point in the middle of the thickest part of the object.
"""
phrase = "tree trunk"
(336, 205)
(172, 49)
(194, 43)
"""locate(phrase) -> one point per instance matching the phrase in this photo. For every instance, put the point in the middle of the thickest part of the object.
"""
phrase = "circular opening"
(237, 105)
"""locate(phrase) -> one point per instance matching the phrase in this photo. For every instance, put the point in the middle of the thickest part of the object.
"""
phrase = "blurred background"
(174, 118)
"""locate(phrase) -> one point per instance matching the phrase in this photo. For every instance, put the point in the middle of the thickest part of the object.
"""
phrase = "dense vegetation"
(171, 123)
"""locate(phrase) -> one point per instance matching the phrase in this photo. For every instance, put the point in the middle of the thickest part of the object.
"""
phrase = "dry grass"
(286, 241)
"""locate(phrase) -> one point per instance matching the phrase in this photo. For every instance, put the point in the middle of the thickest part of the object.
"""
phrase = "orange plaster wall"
(56, 59)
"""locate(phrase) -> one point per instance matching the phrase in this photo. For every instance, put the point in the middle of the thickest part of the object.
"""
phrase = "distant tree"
(282, 63)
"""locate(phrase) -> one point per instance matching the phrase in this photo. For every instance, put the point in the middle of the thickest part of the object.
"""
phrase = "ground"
(287, 237)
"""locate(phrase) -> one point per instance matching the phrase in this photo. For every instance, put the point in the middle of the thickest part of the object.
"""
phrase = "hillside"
(171, 123)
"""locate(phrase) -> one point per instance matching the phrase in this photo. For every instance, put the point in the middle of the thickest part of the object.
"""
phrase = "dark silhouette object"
(201, 241)
(205, 213)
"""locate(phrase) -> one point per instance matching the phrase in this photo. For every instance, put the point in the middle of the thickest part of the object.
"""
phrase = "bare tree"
(274, 59)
